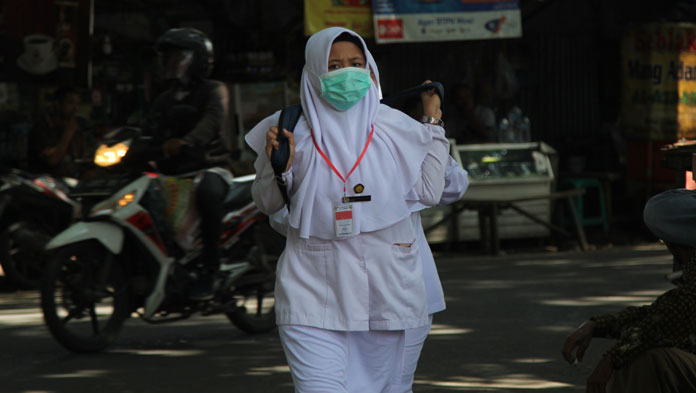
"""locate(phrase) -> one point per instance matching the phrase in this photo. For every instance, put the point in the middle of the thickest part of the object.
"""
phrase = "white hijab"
(389, 169)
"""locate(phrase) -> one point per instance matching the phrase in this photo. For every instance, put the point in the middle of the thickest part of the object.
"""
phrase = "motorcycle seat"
(238, 196)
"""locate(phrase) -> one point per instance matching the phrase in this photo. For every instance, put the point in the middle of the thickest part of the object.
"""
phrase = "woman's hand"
(580, 339)
(272, 143)
(172, 147)
(431, 103)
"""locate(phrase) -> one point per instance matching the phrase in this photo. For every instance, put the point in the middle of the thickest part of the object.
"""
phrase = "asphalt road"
(503, 330)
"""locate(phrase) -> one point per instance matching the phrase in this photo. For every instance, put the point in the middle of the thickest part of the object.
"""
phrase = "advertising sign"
(351, 14)
(445, 20)
(659, 81)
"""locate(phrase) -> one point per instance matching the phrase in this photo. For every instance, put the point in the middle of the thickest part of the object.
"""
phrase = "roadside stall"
(500, 171)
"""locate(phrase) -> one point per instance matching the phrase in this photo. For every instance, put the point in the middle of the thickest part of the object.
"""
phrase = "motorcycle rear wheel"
(256, 312)
(256, 300)
(81, 314)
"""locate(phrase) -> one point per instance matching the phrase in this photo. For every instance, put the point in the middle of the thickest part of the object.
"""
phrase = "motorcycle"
(33, 209)
(124, 256)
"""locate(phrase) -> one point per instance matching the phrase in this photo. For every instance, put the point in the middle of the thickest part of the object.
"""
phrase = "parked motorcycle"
(129, 254)
(33, 209)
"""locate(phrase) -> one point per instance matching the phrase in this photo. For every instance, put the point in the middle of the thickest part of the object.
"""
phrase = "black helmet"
(187, 38)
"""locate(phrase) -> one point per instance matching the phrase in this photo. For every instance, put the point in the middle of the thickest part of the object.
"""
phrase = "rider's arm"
(430, 184)
(215, 120)
(667, 322)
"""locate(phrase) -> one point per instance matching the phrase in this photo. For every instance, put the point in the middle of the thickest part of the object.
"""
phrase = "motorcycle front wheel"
(21, 253)
(84, 297)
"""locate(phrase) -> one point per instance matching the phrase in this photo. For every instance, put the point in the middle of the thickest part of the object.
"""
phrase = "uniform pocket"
(303, 279)
(404, 248)
(315, 246)
(406, 263)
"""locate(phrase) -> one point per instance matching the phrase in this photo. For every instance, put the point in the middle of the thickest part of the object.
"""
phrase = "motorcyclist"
(190, 121)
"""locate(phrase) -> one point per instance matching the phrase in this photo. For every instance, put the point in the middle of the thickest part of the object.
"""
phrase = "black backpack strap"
(289, 117)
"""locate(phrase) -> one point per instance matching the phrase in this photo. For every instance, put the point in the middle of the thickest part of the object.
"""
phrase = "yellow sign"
(351, 14)
(659, 81)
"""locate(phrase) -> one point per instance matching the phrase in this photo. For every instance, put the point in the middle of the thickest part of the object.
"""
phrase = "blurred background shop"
(568, 93)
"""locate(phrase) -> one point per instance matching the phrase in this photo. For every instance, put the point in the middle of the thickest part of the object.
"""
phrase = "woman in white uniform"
(456, 184)
(350, 280)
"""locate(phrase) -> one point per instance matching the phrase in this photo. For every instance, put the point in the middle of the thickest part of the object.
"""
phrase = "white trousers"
(413, 344)
(331, 361)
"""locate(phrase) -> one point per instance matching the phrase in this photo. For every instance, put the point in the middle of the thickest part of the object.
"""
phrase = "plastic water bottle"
(503, 129)
(525, 130)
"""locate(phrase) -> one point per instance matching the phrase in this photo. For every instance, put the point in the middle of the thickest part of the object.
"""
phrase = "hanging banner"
(66, 32)
(351, 14)
(659, 81)
(445, 20)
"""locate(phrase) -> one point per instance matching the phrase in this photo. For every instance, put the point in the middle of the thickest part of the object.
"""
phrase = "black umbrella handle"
(416, 90)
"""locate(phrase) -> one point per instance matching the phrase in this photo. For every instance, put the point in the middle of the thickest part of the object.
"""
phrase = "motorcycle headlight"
(111, 155)
(112, 204)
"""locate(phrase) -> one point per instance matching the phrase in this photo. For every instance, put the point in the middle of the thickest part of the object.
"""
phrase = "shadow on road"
(507, 317)
(505, 323)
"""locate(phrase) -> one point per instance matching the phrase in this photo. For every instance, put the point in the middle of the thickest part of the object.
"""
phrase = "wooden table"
(488, 210)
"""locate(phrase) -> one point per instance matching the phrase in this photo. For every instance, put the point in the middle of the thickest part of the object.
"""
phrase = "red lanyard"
(372, 131)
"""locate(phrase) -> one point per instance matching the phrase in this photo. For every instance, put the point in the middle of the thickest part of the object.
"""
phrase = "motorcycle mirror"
(119, 135)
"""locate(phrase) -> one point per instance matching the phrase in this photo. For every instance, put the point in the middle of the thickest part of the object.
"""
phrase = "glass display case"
(510, 170)
(503, 162)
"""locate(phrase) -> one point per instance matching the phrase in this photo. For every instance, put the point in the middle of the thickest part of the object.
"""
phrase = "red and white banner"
(445, 20)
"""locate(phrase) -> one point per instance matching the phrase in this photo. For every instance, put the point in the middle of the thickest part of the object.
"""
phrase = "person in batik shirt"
(654, 349)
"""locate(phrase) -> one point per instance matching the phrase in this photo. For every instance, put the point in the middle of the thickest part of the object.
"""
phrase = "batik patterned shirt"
(670, 321)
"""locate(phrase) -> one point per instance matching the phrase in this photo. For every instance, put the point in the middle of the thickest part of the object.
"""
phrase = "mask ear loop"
(374, 81)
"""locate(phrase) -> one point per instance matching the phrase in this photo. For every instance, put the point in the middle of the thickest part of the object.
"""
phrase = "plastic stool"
(587, 183)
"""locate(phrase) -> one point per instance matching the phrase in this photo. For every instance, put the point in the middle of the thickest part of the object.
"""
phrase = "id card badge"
(343, 219)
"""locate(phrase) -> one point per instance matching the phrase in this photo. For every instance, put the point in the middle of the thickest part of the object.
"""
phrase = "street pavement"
(506, 319)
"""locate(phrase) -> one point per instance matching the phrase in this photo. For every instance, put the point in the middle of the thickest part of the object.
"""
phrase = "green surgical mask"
(344, 87)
